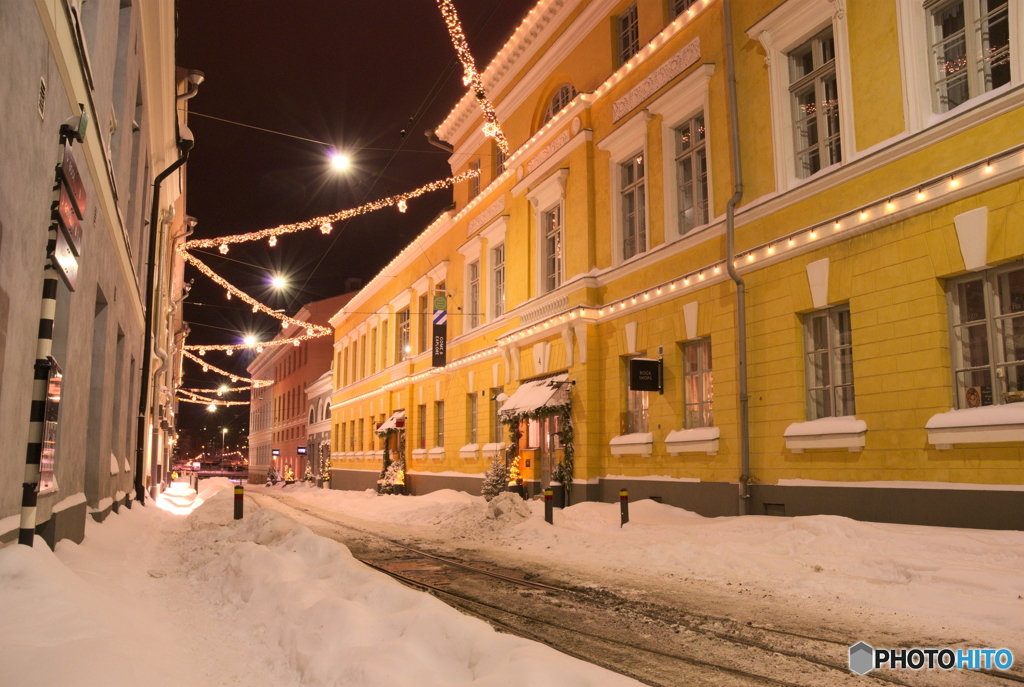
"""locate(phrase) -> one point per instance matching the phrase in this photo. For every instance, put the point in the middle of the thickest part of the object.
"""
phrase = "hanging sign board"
(51, 410)
(65, 262)
(301, 450)
(440, 332)
(72, 180)
(67, 218)
(644, 374)
(275, 452)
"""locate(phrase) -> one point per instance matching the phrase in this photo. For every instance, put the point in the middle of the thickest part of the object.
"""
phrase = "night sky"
(350, 75)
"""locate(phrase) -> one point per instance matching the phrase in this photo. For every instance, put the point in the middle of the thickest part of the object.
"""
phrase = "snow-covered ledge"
(490, 450)
(696, 440)
(828, 432)
(988, 424)
(469, 451)
(419, 453)
(630, 444)
(436, 453)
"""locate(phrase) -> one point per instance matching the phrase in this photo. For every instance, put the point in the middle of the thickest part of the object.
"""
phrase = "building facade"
(824, 282)
(318, 426)
(90, 87)
(278, 420)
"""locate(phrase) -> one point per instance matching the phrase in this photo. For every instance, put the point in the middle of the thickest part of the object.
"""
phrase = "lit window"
(498, 279)
(473, 295)
(562, 97)
(551, 226)
(692, 174)
(815, 97)
(680, 6)
(698, 384)
(499, 429)
(439, 419)
(987, 337)
(402, 348)
(829, 353)
(970, 49)
(424, 308)
(634, 420)
(421, 434)
(474, 182)
(629, 34)
(471, 419)
(634, 222)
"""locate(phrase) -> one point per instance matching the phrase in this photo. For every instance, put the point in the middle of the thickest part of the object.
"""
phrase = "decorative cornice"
(671, 68)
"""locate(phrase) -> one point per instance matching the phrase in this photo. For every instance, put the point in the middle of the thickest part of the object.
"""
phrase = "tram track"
(668, 638)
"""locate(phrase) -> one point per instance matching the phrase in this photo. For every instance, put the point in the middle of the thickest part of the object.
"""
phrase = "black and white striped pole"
(33, 455)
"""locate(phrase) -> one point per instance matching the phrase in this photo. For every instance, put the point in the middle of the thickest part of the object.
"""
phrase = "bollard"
(549, 517)
(239, 490)
(624, 505)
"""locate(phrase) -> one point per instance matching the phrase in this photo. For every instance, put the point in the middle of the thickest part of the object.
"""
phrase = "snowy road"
(660, 629)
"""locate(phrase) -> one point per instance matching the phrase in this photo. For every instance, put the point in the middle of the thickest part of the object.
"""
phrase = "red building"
(277, 420)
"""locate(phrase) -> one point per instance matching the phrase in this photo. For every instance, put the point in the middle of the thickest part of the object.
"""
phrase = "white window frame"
(547, 196)
(994, 331)
(403, 332)
(493, 236)
(559, 99)
(706, 397)
(786, 28)
(913, 18)
(637, 191)
(831, 316)
(622, 144)
(474, 182)
(470, 252)
(474, 316)
(633, 26)
(683, 102)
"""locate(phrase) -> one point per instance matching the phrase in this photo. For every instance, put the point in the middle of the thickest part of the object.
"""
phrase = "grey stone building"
(88, 86)
(318, 428)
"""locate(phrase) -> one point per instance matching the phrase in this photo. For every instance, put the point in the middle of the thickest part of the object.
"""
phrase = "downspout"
(141, 436)
(730, 239)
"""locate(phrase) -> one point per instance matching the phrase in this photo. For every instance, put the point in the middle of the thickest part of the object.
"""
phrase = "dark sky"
(350, 74)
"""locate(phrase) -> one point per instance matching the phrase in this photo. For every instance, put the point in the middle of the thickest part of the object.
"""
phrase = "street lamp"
(340, 162)
(223, 434)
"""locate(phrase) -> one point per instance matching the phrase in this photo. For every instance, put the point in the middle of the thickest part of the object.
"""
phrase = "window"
(829, 352)
(373, 350)
(629, 34)
(680, 6)
(561, 97)
(970, 49)
(421, 434)
(499, 161)
(383, 344)
(814, 95)
(473, 294)
(424, 308)
(551, 226)
(439, 419)
(362, 356)
(499, 429)
(634, 222)
(635, 418)
(402, 347)
(698, 385)
(471, 418)
(312, 416)
(987, 337)
(474, 182)
(498, 280)
(691, 174)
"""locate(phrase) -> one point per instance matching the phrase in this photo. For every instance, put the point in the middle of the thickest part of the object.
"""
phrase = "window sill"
(470, 451)
(419, 453)
(985, 425)
(490, 449)
(631, 444)
(436, 453)
(828, 432)
(696, 440)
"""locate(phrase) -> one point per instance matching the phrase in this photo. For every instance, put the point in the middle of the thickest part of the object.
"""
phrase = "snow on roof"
(986, 416)
(532, 395)
(392, 422)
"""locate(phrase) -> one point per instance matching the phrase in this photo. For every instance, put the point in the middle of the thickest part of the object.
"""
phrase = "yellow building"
(868, 180)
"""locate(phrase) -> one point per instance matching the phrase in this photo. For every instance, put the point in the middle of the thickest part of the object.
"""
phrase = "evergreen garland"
(391, 472)
(325, 468)
(563, 472)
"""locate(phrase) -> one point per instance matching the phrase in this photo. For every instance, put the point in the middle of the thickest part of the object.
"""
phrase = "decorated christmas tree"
(325, 469)
(289, 474)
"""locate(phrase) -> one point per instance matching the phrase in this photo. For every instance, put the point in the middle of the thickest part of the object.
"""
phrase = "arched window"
(327, 411)
(562, 96)
(311, 416)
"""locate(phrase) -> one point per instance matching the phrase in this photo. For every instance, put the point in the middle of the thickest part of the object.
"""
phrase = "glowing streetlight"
(250, 340)
(211, 408)
(222, 389)
(278, 282)
(340, 162)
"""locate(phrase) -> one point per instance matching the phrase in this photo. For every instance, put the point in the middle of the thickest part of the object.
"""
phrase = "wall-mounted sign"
(63, 259)
(301, 450)
(67, 218)
(644, 374)
(68, 174)
(51, 412)
(440, 332)
(275, 451)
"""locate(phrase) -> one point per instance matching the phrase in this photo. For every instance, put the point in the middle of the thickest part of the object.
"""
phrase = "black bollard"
(239, 490)
(549, 516)
(624, 505)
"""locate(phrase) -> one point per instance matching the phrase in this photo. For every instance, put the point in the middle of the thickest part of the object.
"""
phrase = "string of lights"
(471, 77)
(256, 383)
(189, 397)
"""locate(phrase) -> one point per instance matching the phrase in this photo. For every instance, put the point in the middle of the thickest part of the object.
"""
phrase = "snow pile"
(508, 508)
(156, 599)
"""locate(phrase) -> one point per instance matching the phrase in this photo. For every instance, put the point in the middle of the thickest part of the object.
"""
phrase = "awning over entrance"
(537, 394)
(396, 421)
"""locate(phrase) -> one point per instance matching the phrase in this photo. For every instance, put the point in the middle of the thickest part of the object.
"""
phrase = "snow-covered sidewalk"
(154, 597)
(947, 577)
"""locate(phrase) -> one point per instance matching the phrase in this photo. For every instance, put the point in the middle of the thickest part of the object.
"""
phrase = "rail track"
(653, 643)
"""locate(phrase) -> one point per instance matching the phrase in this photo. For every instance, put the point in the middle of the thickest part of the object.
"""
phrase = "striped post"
(624, 506)
(44, 346)
(239, 501)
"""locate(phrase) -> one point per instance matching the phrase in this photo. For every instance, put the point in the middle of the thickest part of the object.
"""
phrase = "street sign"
(65, 262)
(67, 217)
(68, 174)
(644, 374)
(51, 412)
(440, 332)
(301, 450)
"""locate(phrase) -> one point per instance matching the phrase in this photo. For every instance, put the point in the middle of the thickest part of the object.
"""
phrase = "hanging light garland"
(256, 383)
(471, 77)
(189, 397)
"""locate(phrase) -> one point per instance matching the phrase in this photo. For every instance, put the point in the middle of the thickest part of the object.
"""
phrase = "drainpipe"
(142, 437)
(730, 238)
(433, 140)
